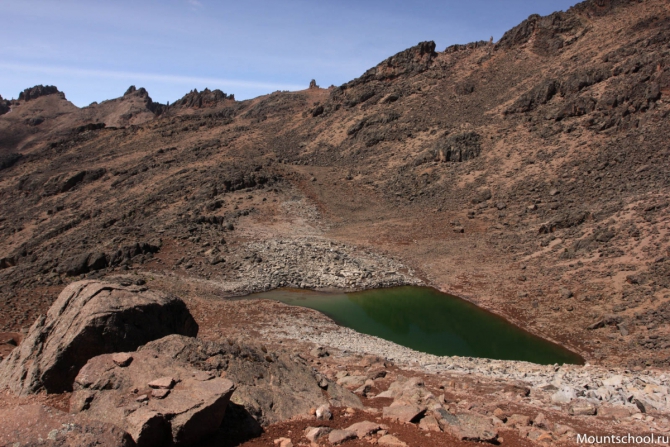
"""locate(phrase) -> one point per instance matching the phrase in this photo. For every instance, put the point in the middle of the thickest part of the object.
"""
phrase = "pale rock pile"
(315, 263)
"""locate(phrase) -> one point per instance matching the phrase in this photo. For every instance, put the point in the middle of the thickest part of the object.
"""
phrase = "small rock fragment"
(203, 375)
(319, 352)
(163, 382)
(365, 428)
(314, 433)
(582, 407)
(283, 442)
(403, 413)
(565, 293)
(122, 359)
(339, 436)
(323, 413)
(560, 429)
(563, 396)
(429, 423)
(541, 421)
(518, 420)
(391, 441)
(617, 411)
(160, 393)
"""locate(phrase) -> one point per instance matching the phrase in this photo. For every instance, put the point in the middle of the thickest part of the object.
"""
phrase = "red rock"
(518, 420)
(180, 414)
(391, 441)
(90, 318)
(160, 393)
(314, 433)
(339, 436)
(403, 413)
(365, 428)
(429, 423)
(163, 382)
(31, 424)
(617, 411)
(122, 359)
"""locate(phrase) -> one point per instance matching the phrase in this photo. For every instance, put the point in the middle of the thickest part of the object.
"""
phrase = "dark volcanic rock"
(460, 147)
(4, 106)
(549, 32)
(538, 95)
(39, 90)
(9, 160)
(142, 93)
(92, 261)
(565, 220)
(65, 182)
(413, 60)
(205, 98)
(90, 318)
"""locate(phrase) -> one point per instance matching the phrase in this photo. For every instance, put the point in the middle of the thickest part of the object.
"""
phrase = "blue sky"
(94, 49)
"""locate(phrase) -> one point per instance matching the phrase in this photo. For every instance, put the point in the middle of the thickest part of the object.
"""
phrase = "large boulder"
(157, 400)
(467, 426)
(270, 386)
(90, 318)
(169, 390)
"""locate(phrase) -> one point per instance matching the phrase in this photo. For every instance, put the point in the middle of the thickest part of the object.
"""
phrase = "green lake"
(427, 320)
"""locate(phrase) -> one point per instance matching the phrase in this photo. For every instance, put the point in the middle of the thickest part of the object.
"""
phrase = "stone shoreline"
(319, 264)
(551, 385)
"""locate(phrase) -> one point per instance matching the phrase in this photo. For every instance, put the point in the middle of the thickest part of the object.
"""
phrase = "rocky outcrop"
(156, 399)
(155, 107)
(67, 181)
(565, 220)
(39, 90)
(9, 160)
(4, 106)
(93, 261)
(550, 33)
(90, 318)
(460, 147)
(37, 425)
(538, 95)
(271, 386)
(411, 61)
(205, 98)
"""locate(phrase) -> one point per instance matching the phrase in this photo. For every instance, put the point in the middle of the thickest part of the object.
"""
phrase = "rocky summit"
(528, 176)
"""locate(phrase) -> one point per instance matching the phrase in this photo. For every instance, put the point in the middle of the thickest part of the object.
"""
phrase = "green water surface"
(427, 320)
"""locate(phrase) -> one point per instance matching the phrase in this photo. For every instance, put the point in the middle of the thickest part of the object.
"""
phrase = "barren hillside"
(529, 176)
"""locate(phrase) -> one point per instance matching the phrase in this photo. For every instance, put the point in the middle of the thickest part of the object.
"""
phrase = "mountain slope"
(529, 176)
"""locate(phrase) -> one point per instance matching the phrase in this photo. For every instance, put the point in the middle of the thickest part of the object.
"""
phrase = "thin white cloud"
(195, 3)
(165, 78)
